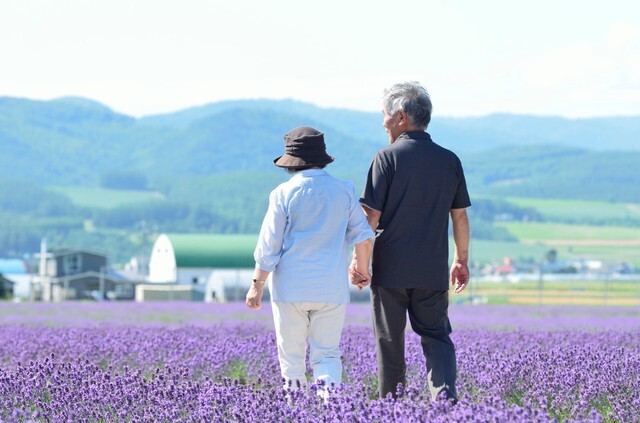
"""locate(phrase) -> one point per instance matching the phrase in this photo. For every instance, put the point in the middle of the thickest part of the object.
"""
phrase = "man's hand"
(459, 275)
(358, 279)
(254, 296)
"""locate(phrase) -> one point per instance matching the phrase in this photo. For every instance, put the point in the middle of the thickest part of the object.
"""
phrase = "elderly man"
(412, 188)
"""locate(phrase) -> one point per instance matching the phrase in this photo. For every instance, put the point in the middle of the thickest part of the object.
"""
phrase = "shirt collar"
(415, 135)
(310, 172)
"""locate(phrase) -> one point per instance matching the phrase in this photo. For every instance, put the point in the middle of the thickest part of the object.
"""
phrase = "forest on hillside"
(224, 204)
(212, 170)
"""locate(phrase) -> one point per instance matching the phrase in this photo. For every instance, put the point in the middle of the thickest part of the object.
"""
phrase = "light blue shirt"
(312, 221)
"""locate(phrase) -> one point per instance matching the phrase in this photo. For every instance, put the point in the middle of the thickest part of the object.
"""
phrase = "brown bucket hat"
(304, 146)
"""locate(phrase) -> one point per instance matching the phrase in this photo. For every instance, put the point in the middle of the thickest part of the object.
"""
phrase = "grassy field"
(560, 209)
(486, 251)
(564, 234)
(609, 243)
(545, 292)
(106, 198)
(534, 250)
(612, 244)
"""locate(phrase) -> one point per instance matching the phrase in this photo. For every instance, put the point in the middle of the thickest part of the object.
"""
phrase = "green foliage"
(20, 233)
(209, 169)
(4, 291)
(22, 196)
(118, 245)
(240, 198)
(127, 216)
(502, 154)
(491, 209)
(237, 370)
(546, 231)
(581, 212)
(483, 229)
(613, 244)
(491, 251)
(541, 171)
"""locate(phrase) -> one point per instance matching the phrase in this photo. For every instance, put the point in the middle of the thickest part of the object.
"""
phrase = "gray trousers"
(428, 314)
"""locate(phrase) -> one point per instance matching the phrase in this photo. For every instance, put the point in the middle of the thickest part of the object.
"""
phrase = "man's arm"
(359, 269)
(459, 273)
(358, 278)
(373, 216)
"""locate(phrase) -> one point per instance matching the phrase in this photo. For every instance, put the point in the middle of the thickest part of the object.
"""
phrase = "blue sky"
(140, 57)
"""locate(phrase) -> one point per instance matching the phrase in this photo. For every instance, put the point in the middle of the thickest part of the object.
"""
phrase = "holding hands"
(359, 269)
(357, 278)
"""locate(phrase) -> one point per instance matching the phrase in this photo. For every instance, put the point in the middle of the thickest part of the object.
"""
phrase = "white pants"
(320, 325)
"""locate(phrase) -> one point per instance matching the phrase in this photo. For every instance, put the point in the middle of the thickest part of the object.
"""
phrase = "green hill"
(546, 171)
(104, 198)
(74, 141)
(209, 168)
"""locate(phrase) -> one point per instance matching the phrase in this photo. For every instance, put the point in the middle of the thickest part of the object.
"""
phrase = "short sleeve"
(461, 199)
(376, 187)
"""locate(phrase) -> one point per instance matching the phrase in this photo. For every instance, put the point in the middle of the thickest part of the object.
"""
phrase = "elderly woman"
(312, 221)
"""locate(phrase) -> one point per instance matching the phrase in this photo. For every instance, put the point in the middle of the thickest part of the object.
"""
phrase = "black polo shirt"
(414, 183)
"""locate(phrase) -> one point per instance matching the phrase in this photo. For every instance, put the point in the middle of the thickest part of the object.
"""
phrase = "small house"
(71, 274)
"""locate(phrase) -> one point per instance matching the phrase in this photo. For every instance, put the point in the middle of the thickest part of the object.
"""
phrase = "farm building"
(201, 267)
(205, 267)
(70, 274)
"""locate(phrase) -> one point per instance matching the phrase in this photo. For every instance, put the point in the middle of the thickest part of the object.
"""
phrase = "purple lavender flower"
(188, 362)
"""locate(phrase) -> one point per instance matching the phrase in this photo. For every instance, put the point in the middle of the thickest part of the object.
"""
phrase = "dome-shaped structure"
(199, 251)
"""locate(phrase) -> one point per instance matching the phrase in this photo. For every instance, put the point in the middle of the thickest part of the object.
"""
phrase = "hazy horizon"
(570, 59)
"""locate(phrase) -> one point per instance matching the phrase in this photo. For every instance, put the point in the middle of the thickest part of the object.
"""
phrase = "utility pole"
(43, 282)
(101, 281)
(143, 265)
(540, 283)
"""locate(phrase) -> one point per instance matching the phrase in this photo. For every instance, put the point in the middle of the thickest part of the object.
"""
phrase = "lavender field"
(196, 362)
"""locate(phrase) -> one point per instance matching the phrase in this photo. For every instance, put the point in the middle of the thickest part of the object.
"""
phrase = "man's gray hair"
(412, 98)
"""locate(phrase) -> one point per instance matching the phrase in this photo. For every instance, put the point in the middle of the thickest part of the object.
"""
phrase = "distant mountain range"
(75, 141)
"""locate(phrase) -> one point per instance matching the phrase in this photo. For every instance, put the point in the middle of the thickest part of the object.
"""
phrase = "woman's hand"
(357, 278)
(254, 295)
